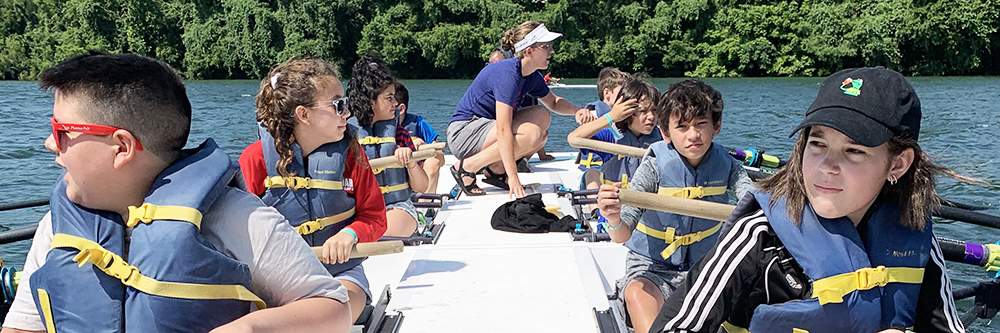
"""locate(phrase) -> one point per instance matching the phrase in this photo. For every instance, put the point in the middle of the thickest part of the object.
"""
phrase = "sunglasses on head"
(340, 105)
(59, 128)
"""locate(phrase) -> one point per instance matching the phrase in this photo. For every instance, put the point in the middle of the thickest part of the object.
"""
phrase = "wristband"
(348, 230)
(615, 228)
(611, 126)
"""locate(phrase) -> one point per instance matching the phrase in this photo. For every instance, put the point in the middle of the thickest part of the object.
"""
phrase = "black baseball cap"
(869, 105)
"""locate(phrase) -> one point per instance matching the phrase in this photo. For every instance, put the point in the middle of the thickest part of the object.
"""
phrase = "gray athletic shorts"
(667, 278)
(357, 276)
(466, 137)
(405, 205)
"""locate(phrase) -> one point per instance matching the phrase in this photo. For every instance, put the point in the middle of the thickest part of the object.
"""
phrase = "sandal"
(498, 180)
(470, 189)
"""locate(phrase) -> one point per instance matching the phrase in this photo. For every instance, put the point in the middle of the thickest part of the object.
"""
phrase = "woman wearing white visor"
(486, 130)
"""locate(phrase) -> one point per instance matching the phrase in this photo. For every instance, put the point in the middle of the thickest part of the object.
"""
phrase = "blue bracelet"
(611, 123)
(615, 228)
(348, 230)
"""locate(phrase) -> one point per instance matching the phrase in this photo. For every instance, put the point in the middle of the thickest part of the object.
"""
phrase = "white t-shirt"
(283, 268)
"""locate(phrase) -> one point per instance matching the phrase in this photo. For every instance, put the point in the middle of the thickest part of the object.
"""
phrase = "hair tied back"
(274, 81)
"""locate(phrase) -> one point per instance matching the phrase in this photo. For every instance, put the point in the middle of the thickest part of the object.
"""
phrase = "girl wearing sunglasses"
(312, 169)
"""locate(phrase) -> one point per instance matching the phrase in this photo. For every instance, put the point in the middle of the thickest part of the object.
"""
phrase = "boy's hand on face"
(623, 109)
(584, 116)
(608, 203)
(403, 155)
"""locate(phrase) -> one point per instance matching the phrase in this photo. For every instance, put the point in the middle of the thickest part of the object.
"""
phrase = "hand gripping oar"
(362, 250)
(434, 146)
(388, 161)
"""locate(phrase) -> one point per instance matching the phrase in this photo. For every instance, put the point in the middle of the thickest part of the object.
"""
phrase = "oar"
(388, 161)
(362, 250)
(25, 204)
(435, 146)
(751, 157)
(606, 147)
(957, 251)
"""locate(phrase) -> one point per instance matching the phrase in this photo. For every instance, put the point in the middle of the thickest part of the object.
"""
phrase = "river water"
(961, 118)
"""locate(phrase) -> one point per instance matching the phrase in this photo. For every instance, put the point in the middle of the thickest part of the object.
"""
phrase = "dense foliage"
(207, 39)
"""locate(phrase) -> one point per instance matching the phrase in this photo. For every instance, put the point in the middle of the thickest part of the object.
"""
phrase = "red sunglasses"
(59, 128)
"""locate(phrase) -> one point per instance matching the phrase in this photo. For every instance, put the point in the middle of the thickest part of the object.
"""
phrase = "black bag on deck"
(528, 215)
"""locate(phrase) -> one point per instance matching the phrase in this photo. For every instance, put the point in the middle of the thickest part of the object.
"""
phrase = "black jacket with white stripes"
(749, 266)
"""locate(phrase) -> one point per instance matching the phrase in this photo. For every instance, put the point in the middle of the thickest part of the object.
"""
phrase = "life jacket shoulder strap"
(149, 212)
(833, 289)
(674, 240)
(309, 227)
(692, 192)
(303, 183)
(113, 265)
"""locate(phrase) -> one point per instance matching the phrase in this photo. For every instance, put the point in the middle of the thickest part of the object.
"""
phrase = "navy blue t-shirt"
(499, 82)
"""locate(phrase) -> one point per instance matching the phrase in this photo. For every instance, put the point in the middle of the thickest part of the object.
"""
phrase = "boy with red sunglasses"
(151, 237)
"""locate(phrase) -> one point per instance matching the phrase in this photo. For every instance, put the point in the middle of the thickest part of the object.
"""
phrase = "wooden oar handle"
(388, 161)
(435, 146)
(362, 250)
(682, 206)
(606, 147)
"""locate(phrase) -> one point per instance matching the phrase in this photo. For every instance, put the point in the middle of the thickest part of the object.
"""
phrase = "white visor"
(539, 35)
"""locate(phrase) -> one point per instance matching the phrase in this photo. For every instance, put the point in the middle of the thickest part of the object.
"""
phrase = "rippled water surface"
(959, 129)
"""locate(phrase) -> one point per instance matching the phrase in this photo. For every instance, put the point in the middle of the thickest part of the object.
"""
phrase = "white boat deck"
(483, 280)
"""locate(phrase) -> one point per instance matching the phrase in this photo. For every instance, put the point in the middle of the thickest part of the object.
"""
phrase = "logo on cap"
(855, 86)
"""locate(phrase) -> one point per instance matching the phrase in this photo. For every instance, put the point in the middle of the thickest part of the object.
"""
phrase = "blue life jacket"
(679, 240)
(316, 203)
(588, 158)
(833, 255)
(621, 168)
(379, 140)
(172, 280)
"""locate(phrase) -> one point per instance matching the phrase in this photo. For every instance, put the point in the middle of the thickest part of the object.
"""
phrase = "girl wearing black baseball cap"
(840, 239)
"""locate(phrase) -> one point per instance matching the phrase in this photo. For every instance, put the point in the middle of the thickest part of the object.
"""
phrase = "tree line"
(242, 39)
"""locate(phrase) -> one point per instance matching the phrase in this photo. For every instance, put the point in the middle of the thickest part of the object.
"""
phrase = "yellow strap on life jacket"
(149, 212)
(692, 192)
(730, 328)
(374, 140)
(309, 227)
(113, 265)
(733, 328)
(674, 240)
(303, 183)
(46, 305)
(379, 170)
(393, 188)
(624, 182)
(834, 288)
(589, 162)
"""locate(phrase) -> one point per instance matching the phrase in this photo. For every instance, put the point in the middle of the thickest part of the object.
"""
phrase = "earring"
(893, 179)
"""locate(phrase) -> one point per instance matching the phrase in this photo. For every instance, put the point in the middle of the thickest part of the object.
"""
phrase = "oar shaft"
(682, 206)
(362, 250)
(985, 256)
(388, 161)
(25, 204)
(434, 146)
(606, 147)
